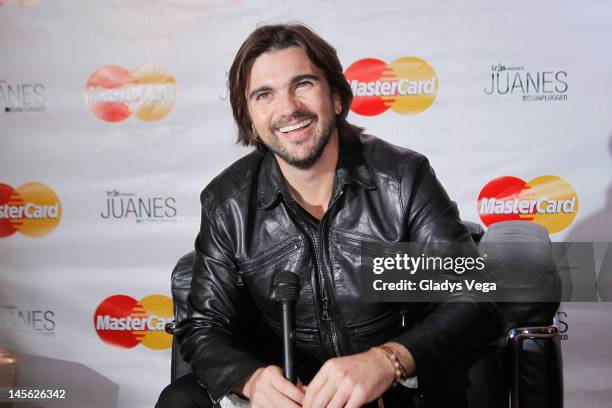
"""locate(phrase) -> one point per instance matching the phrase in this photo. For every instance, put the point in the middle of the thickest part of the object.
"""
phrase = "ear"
(337, 103)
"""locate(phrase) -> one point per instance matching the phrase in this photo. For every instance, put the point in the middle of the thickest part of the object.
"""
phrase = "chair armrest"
(518, 334)
(537, 376)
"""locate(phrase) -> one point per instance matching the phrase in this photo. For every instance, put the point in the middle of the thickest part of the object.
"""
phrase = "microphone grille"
(286, 286)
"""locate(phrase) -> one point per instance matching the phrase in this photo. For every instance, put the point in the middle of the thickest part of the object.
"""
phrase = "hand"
(350, 382)
(268, 388)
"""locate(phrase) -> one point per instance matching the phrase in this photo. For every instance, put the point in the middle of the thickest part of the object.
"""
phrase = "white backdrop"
(181, 135)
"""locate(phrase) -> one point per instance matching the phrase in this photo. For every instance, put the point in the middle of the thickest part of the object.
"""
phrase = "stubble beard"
(321, 140)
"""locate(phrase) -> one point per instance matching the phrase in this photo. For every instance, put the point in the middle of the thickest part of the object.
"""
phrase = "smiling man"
(315, 188)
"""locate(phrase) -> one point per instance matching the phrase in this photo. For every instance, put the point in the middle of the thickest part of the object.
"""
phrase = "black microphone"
(286, 290)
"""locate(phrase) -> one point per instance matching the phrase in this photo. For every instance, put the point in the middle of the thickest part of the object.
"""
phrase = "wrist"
(387, 357)
(404, 356)
(245, 387)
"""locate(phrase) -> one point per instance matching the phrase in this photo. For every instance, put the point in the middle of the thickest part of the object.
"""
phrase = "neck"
(312, 187)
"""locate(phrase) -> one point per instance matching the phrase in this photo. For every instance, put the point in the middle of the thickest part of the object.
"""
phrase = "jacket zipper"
(383, 247)
(267, 259)
(299, 335)
(327, 315)
(240, 281)
(381, 322)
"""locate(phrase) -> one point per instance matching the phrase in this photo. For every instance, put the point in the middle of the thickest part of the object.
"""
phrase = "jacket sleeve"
(210, 336)
(449, 329)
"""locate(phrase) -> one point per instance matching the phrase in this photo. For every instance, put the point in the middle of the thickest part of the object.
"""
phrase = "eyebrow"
(303, 77)
(294, 80)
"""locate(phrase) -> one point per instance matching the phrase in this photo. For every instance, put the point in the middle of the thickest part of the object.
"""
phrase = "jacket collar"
(351, 170)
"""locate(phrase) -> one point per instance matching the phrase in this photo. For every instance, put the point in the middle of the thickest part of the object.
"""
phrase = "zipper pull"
(326, 314)
(403, 314)
(240, 282)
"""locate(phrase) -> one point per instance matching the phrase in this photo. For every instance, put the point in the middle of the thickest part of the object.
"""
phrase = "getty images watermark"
(430, 264)
(499, 272)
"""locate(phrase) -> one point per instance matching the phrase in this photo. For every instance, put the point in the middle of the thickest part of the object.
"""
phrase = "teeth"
(302, 124)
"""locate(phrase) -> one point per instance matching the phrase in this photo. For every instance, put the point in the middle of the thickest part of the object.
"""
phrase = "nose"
(288, 104)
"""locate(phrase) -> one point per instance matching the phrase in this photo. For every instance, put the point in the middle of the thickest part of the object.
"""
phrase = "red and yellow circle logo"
(122, 321)
(408, 85)
(546, 200)
(113, 93)
(32, 209)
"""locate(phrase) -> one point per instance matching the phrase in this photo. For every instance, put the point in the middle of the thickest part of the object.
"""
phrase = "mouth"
(298, 126)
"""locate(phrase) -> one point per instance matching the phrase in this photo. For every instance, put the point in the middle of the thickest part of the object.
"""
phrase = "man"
(314, 189)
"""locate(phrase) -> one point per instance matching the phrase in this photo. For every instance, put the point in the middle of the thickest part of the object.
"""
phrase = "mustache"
(297, 116)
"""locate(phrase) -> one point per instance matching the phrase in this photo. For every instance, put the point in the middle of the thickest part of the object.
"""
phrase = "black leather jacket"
(252, 228)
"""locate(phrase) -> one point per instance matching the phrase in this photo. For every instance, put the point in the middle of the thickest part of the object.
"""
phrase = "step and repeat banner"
(114, 115)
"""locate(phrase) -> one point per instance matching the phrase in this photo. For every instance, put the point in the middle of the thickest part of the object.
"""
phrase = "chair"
(526, 364)
(523, 367)
(180, 281)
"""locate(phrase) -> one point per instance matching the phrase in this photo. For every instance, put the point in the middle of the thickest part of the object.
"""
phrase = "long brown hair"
(277, 37)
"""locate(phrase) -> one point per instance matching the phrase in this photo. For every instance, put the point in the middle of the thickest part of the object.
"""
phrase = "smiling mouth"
(301, 125)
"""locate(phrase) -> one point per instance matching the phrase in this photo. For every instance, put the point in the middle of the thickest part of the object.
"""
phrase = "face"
(291, 106)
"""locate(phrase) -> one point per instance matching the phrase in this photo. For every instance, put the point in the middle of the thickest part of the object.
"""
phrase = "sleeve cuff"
(232, 400)
(410, 382)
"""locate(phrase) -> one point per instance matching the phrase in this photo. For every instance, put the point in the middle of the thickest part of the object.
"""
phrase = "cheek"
(258, 117)
(320, 103)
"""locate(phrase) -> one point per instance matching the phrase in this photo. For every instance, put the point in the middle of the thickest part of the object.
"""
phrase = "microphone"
(285, 291)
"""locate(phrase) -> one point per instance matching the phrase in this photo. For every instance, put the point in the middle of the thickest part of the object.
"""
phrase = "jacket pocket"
(301, 334)
(392, 318)
(357, 241)
(271, 255)
(376, 331)
(258, 274)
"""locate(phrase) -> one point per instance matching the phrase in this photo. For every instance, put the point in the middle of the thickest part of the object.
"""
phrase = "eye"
(263, 96)
(304, 84)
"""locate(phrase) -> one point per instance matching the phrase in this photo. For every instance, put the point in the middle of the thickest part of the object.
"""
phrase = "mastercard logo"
(124, 322)
(408, 85)
(548, 201)
(32, 209)
(114, 94)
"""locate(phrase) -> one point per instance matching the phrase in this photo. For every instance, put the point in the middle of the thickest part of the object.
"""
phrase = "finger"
(287, 388)
(325, 395)
(355, 400)
(313, 387)
(276, 399)
(341, 396)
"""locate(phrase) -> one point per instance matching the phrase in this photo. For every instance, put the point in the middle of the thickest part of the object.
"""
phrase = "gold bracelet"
(400, 371)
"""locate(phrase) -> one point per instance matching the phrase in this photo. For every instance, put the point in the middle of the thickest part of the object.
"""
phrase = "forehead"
(278, 67)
